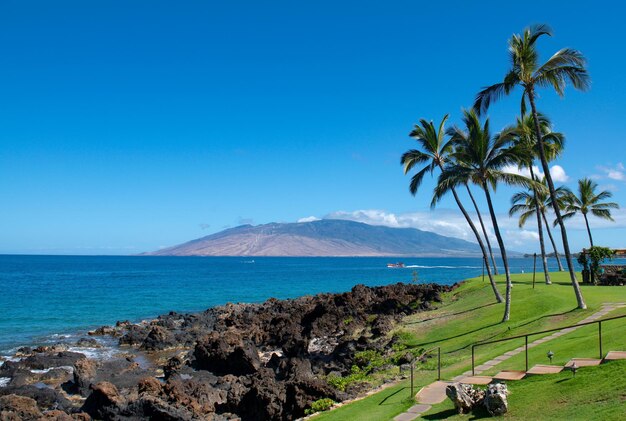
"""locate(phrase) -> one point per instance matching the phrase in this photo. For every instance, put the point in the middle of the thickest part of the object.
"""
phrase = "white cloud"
(558, 174)
(308, 219)
(451, 223)
(617, 172)
(556, 171)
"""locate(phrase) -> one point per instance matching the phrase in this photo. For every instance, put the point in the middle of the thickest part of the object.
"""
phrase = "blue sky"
(128, 126)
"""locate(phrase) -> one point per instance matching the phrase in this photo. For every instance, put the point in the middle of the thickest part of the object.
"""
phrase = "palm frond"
(494, 92)
(416, 180)
(602, 213)
(524, 217)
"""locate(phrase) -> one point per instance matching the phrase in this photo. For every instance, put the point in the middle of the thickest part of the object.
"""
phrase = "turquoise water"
(47, 295)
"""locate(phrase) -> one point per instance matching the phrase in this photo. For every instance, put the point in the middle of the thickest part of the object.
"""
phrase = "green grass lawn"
(469, 314)
(596, 393)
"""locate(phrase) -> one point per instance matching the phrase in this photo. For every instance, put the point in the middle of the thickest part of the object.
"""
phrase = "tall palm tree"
(526, 142)
(566, 65)
(528, 203)
(482, 226)
(434, 154)
(479, 158)
(588, 201)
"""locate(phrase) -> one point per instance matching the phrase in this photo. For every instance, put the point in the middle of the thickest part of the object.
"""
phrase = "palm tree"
(526, 142)
(566, 65)
(588, 201)
(482, 226)
(479, 158)
(528, 203)
(435, 152)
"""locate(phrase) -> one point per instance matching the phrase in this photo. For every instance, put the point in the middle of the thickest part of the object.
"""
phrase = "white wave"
(96, 353)
(64, 367)
(442, 267)
(4, 381)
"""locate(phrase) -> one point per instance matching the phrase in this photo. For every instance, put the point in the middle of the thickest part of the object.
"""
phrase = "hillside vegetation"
(468, 315)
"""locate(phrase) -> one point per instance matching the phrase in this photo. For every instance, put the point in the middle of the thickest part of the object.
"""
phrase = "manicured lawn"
(469, 315)
(393, 400)
(596, 393)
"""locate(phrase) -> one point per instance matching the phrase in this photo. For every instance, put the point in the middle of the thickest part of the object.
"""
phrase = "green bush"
(320, 405)
(369, 360)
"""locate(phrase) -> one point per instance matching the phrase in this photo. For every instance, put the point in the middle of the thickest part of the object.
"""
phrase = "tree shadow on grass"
(477, 414)
(443, 316)
(495, 335)
(384, 401)
(459, 335)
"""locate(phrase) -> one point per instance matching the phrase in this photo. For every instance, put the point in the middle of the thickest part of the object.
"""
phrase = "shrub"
(320, 405)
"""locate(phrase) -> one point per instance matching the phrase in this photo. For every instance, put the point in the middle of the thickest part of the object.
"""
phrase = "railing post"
(526, 341)
(412, 363)
(534, 268)
(473, 359)
(600, 336)
(439, 363)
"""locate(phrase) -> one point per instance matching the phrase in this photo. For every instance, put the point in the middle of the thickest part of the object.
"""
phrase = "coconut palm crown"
(565, 66)
(588, 201)
(479, 158)
(435, 152)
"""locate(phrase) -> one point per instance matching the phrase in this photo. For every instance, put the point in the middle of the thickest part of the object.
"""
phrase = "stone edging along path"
(435, 392)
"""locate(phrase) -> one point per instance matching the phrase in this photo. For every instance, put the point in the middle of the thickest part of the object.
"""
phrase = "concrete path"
(435, 392)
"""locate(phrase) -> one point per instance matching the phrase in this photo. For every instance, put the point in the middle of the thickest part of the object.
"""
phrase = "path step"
(510, 375)
(545, 369)
(419, 408)
(583, 362)
(406, 416)
(432, 394)
(615, 355)
(475, 379)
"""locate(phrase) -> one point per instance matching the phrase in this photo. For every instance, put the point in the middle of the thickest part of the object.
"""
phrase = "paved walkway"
(435, 392)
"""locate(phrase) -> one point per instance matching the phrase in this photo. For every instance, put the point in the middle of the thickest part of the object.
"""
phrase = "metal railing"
(438, 348)
(599, 322)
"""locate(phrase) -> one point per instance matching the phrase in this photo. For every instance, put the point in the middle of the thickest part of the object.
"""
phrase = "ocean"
(44, 299)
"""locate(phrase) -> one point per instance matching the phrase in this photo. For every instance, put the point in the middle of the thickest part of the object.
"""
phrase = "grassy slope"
(596, 393)
(469, 315)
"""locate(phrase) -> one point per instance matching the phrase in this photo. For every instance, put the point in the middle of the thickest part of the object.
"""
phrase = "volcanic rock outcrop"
(267, 361)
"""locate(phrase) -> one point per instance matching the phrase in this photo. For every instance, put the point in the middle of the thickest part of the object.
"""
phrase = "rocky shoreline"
(268, 361)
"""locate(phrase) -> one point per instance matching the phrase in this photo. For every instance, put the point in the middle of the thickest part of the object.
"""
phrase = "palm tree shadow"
(382, 402)
(496, 334)
(443, 316)
(477, 414)
(459, 335)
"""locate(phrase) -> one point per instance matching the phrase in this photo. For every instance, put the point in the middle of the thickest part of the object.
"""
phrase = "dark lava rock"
(253, 361)
(46, 398)
(15, 407)
(43, 361)
(172, 366)
(227, 353)
(159, 338)
(135, 335)
(121, 373)
(88, 343)
(104, 402)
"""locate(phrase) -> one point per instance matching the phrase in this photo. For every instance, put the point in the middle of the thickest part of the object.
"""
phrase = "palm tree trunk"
(482, 225)
(542, 247)
(557, 211)
(499, 298)
(507, 301)
(588, 230)
(556, 253)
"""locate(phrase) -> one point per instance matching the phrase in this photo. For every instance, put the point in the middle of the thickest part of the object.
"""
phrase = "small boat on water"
(395, 265)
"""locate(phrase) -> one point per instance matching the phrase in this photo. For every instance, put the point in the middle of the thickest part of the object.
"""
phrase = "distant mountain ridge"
(328, 237)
